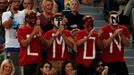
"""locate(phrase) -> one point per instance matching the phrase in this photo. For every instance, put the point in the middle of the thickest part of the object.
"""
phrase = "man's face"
(2, 5)
(28, 4)
(114, 19)
(58, 21)
(89, 23)
(15, 4)
(31, 19)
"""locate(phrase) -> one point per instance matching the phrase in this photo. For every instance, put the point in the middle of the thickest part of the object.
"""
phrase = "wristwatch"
(12, 17)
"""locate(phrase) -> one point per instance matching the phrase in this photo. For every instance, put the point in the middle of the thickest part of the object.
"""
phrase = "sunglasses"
(100, 65)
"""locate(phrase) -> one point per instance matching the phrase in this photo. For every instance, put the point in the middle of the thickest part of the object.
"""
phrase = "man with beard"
(86, 41)
(11, 20)
(30, 37)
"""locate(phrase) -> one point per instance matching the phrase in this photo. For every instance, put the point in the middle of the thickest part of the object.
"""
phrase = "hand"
(70, 72)
(36, 30)
(91, 32)
(38, 21)
(75, 48)
(61, 29)
(105, 71)
(39, 34)
(52, 72)
(117, 31)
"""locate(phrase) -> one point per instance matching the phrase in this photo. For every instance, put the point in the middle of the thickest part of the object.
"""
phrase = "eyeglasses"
(100, 65)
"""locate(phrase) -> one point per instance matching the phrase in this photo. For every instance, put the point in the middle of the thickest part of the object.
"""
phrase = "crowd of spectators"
(41, 37)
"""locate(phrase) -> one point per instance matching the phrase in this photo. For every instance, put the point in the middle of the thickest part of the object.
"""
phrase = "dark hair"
(112, 12)
(38, 71)
(94, 64)
(64, 65)
(29, 12)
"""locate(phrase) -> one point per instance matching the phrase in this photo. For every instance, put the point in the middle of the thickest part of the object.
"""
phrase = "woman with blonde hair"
(7, 67)
(45, 18)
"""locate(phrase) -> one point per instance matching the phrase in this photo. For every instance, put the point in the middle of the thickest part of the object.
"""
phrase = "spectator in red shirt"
(31, 39)
(58, 39)
(113, 38)
(86, 41)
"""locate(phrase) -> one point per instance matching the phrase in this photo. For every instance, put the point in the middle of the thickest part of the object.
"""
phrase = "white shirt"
(11, 40)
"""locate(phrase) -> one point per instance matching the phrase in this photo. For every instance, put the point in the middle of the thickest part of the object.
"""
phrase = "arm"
(108, 41)
(103, 43)
(41, 37)
(7, 24)
(27, 41)
(125, 40)
(81, 41)
(50, 42)
(68, 40)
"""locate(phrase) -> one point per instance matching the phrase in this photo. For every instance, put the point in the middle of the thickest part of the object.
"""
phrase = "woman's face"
(48, 6)
(69, 67)
(74, 6)
(46, 68)
(7, 69)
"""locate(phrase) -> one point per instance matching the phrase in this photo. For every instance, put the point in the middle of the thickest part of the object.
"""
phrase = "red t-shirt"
(87, 51)
(58, 51)
(114, 52)
(32, 53)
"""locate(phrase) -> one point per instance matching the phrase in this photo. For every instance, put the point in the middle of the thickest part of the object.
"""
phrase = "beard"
(16, 7)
